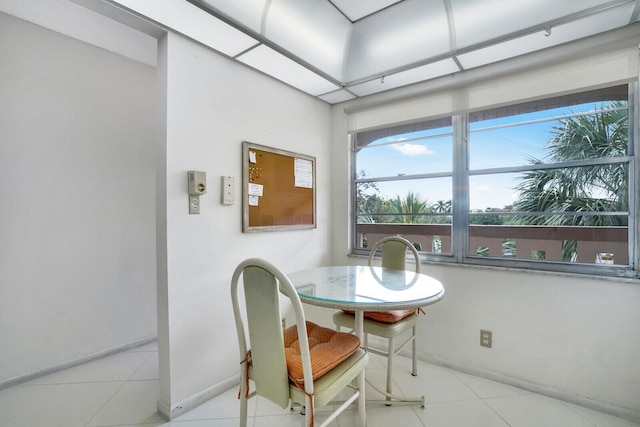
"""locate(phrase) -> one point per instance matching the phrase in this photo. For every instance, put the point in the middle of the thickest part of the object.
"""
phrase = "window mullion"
(634, 174)
(460, 202)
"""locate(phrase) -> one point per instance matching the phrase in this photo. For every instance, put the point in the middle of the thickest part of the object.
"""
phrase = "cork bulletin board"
(278, 189)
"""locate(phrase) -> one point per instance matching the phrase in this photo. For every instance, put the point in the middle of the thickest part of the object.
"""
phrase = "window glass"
(493, 192)
(546, 185)
(403, 155)
(584, 131)
(542, 202)
(404, 186)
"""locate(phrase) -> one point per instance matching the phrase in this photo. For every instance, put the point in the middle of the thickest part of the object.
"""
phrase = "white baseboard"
(171, 412)
(631, 414)
(75, 362)
(600, 406)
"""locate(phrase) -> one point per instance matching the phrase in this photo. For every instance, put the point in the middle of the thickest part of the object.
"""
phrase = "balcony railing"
(607, 245)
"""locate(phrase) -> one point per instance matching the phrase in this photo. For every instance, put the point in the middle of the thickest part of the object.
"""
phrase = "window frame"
(460, 197)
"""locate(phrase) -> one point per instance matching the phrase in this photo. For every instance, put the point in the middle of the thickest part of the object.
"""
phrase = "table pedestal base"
(394, 399)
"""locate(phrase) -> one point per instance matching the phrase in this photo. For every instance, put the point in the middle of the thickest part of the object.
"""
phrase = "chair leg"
(414, 353)
(361, 400)
(244, 392)
(308, 415)
(243, 411)
(390, 357)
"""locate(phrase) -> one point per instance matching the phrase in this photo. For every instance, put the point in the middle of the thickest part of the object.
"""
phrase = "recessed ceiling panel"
(336, 49)
(312, 30)
(355, 10)
(408, 33)
(193, 22)
(247, 13)
(477, 22)
(282, 68)
(553, 36)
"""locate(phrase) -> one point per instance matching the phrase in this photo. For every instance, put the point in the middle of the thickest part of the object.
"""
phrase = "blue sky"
(509, 146)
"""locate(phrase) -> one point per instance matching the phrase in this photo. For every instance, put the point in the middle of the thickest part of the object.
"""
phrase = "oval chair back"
(394, 253)
(266, 361)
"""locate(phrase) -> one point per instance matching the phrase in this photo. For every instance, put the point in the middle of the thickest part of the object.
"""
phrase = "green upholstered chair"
(293, 374)
(389, 325)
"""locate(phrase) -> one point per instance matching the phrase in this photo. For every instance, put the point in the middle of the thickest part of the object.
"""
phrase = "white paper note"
(303, 173)
(255, 189)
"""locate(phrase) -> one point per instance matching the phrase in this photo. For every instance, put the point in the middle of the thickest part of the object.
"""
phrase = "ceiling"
(353, 48)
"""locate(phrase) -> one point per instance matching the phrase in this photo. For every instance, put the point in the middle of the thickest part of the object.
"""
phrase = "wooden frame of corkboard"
(278, 189)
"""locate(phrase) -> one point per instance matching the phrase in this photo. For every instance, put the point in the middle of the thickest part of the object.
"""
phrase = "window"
(544, 185)
(393, 175)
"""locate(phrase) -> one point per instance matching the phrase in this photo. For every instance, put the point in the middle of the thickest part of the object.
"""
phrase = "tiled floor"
(122, 390)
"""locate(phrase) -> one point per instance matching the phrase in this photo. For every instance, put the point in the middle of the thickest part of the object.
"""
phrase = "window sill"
(520, 270)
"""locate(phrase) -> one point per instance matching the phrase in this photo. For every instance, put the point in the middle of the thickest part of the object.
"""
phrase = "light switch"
(228, 190)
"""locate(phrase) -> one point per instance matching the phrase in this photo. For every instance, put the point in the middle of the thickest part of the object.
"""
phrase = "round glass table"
(365, 288)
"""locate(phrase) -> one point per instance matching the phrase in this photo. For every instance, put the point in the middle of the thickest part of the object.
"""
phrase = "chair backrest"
(394, 253)
(263, 283)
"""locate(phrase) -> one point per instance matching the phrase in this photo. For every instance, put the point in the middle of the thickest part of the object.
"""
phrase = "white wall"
(212, 105)
(76, 282)
(87, 276)
(576, 338)
(77, 200)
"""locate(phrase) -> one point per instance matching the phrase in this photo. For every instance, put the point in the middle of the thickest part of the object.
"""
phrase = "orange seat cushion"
(392, 316)
(328, 348)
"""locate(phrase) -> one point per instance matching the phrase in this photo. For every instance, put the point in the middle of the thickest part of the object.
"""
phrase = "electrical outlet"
(486, 338)
(194, 205)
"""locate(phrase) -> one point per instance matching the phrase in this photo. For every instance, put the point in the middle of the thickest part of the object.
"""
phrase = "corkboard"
(279, 189)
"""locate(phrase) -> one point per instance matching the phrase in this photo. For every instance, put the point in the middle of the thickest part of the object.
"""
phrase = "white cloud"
(412, 149)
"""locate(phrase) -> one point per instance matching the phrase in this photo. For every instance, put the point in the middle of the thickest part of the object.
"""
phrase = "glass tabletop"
(366, 288)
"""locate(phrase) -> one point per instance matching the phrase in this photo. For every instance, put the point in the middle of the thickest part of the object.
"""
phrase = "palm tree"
(599, 188)
(442, 206)
(409, 208)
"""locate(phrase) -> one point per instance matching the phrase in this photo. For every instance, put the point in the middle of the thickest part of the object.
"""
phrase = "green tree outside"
(589, 189)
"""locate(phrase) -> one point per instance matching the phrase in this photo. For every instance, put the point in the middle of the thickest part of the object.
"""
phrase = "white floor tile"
(377, 377)
(600, 419)
(533, 410)
(148, 371)
(486, 388)
(290, 420)
(123, 390)
(66, 405)
(469, 413)
(376, 362)
(436, 383)
(135, 403)
(231, 422)
(382, 416)
(117, 367)
(268, 408)
(17, 399)
(223, 406)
